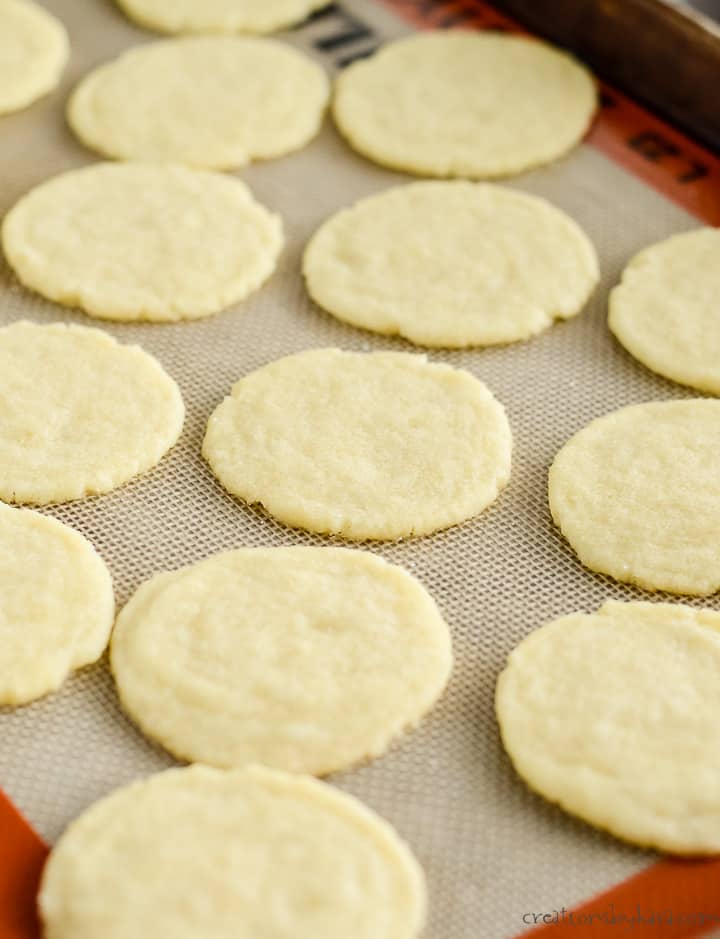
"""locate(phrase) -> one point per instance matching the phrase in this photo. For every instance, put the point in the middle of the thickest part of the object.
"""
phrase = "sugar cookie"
(665, 310)
(139, 241)
(219, 16)
(33, 51)
(614, 716)
(305, 659)
(80, 414)
(384, 445)
(451, 264)
(56, 604)
(465, 104)
(637, 495)
(231, 855)
(213, 101)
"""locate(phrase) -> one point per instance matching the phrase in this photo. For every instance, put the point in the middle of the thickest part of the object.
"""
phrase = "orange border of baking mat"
(669, 900)
(630, 135)
(22, 855)
(672, 899)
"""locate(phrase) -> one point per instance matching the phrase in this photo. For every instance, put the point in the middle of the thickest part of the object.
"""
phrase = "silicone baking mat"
(498, 859)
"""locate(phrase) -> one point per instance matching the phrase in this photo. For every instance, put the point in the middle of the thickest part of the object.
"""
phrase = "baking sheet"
(493, 852)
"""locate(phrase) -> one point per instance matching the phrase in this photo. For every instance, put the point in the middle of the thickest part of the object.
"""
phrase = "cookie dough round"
(219, 16)
(139, 241)
(465, 104)
(34, 49)
(215, 102)
(665, 310)
(231, 855)
(56, 604)
(451, 264)
(80, 414)
(382, 445)
(614, 716)
(306, 659)
(637, 495)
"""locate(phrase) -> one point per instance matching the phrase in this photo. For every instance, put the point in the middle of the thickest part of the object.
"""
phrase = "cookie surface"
(665, 310)
(231, 855)
(383, 445)
(305, 659)
(465, 104)
(80, 414)
(451, 264)
(219, 16)
(214, 102)
(117, 239)
(637, 495)
(56, 604)
(614, 716)
(33, 51)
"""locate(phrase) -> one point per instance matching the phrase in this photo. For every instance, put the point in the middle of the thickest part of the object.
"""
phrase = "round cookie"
(382, 445)
(665, 310)
(451, 264)
(56, 604)
(215, 102)
(614, 716)
(219, 16)
(465, 104)
(34, 49)
(139, 241)
(231, 855)
(637, 495)
(80, 414)
(305, 659)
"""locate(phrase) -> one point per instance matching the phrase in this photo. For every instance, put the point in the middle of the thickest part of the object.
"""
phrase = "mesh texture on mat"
(491, 849)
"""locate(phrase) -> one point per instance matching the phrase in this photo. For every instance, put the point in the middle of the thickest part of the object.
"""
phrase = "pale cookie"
(34, 49)
(666, 309)
(219, 16)
(80, 414)
(306, 659)
(384, 445)
(202, 852)
(465, 104)
(451, 264)
(614, 716)
(139, 241)
(215, 102)
(56, 604)
(637, 495)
